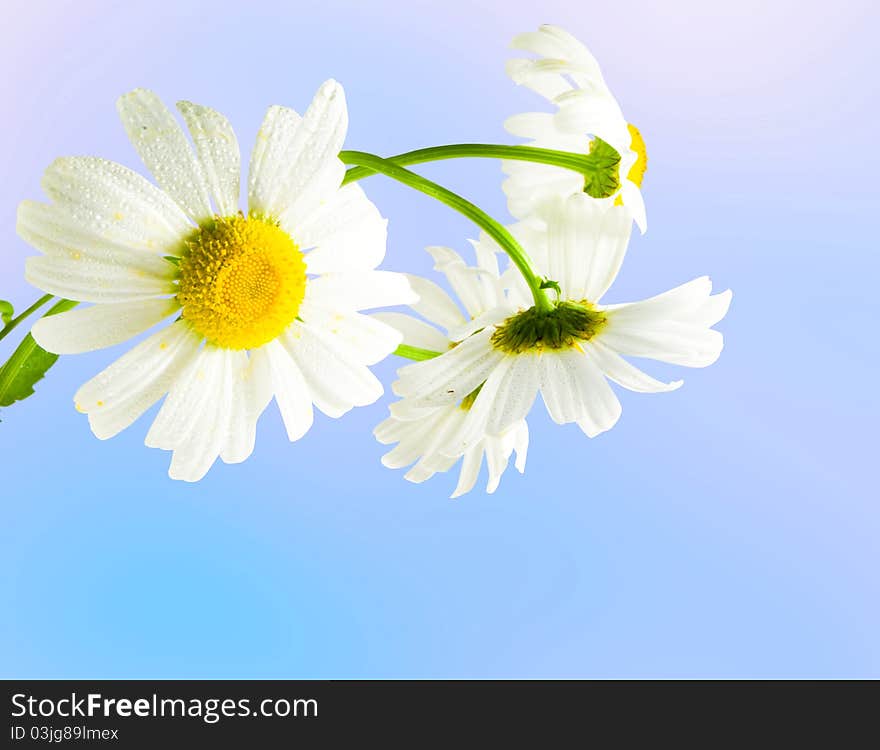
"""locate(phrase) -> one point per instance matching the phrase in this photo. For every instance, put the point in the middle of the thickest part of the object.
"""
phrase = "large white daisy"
(266, 303)
(515, 350)
(566, 73)
(429, 435)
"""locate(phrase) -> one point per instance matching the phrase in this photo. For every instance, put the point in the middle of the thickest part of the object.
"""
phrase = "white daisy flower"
(266, 303)
(429, 436)
(568, 75)
(569, 353)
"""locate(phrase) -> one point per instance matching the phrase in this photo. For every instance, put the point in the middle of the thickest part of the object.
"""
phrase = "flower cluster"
(276, 301)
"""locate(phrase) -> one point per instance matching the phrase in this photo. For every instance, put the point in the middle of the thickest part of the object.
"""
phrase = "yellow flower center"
(242, 280)
(637, 171)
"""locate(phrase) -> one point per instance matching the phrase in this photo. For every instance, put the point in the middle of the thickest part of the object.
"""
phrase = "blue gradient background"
(727, 529)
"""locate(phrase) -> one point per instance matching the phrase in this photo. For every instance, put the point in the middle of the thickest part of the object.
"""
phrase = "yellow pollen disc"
(637, 171)
(242, 280)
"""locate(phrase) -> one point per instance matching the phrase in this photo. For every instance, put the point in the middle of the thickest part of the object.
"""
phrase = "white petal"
(295, 164)
(429, 465)
(415, 332)
(192, 400)
(360, 290)
(571, 229)
(530, 125)
(470, 470)
(625, 374)
(106, 200)
(571, 48)
(528, 190)
(477, 289)
(605, 256)
(516, 393)
(347, 233)
(163, 147)
(394, 430)
(493, 317)
(574, 390)
(714, 308)
(561, 386)
(364, 337)
(435, 304)
(596, 113)
(116, 397)
(272, 153)
(676, 343)
(209, 424)
(408, 411)
(208, 413)
(450, 377)
(445, 438)
(602, 407)
(554, 45)
(497, 457)
(499, 410)
(52, 229)
(671, 327)
(250, 393)
(100, 326)
(546, 78)
(549, 84)
(487, 252)
(290, 389)
(586, 245)
(414, 440)
(218, 152)
(445, 423)
(474, 430)
(87, 280)
(539, 43)
(335, 380)
(634, 202)
(682, 304)
(521, 445)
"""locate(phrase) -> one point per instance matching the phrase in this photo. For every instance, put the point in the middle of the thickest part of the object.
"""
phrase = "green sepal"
(28, 364)
(6, 312)
(566, 325)
(604, 179)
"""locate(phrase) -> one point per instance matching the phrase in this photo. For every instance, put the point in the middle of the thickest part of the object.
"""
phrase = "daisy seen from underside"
(569, 352)
(564, 72)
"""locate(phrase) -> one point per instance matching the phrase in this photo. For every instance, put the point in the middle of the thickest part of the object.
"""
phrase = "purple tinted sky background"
(726, 529)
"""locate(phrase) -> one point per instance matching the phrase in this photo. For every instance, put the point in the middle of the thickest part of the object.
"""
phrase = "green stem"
(585, 164)
(10, 326)
(495, 230)
(414, 352)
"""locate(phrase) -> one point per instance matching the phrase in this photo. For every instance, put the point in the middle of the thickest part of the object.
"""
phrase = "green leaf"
(605, 178)
(6, 311)
(27, 365)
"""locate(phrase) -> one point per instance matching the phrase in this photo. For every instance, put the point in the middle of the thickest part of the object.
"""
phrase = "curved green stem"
(585, 164)
(11, 325)
(495, 230)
